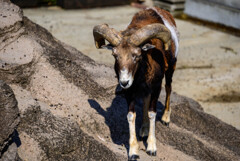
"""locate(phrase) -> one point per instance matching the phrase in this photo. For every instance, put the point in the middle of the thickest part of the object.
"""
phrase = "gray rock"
(10, 22)
(219, 145)
(12, 68)
(11, 154)
(62, 139)
(9, 118)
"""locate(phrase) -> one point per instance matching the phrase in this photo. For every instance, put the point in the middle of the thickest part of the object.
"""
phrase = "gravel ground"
(208, 68)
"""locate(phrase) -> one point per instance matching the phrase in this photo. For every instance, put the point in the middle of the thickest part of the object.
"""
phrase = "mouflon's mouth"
(125, 79)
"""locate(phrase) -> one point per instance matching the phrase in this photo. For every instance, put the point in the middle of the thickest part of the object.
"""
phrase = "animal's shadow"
(116, 118)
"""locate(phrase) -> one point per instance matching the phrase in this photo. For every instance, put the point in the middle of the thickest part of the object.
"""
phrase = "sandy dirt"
(208, 68)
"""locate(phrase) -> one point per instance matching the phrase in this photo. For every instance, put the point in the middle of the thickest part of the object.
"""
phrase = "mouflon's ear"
(108, 46)
(147, 47)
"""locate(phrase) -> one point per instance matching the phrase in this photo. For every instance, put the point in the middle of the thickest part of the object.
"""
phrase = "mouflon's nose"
(124, 83)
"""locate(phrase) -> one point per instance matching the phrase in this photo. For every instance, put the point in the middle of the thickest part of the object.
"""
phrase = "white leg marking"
(133, 149)
(145, 125)
(166, 116)
(151, 137)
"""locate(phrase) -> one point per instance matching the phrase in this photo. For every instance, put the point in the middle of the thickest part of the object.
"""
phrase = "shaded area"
(70, 4)
(9, 120)
(191, 131)
(74, 4)
(116, 118)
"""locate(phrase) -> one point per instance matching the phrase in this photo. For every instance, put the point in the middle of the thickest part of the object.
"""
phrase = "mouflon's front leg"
(133, 143)
(151, 141)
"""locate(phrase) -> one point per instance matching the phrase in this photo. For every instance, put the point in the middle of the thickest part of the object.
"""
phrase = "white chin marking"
(125, 76)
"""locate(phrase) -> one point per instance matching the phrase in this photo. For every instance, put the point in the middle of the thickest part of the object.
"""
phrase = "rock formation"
(69, 110)
(9, 119)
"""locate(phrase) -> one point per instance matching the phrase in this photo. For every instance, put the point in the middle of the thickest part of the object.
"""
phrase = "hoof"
(165, 123)
(152, 153)
(133, 157)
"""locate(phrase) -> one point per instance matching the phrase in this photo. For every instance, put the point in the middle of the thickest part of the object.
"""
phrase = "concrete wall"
(225, 12)
(230, 3)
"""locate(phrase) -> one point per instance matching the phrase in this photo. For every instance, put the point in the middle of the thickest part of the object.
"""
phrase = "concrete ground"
(208, 68)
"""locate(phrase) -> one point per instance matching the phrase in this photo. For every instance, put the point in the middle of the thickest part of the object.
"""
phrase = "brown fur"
(154, 63)
(146, 17)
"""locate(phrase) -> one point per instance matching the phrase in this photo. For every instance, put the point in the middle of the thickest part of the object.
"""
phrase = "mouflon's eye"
(134, 56)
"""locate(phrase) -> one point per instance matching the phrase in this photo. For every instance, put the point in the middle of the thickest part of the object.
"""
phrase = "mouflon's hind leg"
(133, 143)
(168, 88)
(167, 110)
(144, 130)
